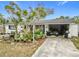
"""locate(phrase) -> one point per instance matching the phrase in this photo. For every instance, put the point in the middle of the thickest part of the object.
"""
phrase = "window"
(11, 27)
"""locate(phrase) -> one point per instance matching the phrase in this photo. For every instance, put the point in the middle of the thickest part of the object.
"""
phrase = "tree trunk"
(3, 28)
(16, 29)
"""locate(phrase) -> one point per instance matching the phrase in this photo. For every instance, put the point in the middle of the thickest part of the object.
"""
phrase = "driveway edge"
(36, 52)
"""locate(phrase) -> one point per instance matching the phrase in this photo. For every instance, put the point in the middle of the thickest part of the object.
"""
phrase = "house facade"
(9, 28)
(60, 25)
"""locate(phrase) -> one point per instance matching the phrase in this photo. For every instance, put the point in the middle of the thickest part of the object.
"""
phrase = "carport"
(59, 28)
(61, 25)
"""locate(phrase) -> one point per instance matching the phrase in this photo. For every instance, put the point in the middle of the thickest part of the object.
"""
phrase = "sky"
(61, 8)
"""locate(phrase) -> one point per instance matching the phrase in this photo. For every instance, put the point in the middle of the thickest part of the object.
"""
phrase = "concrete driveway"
(57, 47)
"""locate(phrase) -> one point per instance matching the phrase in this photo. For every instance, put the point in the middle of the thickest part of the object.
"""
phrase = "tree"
(63, 17)
(67, 17)
(2, 21)
(17, 14)
(76, 19)
(40, 12)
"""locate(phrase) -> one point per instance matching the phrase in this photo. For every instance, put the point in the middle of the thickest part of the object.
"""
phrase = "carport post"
(33, 33)
(46, 29)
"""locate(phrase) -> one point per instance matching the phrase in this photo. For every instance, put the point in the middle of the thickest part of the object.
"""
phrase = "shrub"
(75, 40)
(17, 37)
(38, 33)
(29, 36)
(24, 37)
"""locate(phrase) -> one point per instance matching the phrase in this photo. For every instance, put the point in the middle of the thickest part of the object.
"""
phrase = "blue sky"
(61, 8)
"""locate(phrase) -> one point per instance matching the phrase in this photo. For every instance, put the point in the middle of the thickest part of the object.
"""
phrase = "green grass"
(18, 49)
(75, 40)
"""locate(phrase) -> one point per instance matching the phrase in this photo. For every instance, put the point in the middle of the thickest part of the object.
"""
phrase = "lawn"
(18, 49)
(75, 41)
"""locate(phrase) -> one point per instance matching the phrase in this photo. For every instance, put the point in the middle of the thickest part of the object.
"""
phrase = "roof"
(52, 21)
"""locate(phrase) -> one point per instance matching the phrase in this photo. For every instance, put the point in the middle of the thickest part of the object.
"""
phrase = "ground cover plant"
(75, 41)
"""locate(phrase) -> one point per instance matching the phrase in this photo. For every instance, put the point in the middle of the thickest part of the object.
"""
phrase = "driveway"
(57, 47)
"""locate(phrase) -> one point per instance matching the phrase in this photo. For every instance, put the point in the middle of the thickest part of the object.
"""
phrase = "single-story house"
(60, 25)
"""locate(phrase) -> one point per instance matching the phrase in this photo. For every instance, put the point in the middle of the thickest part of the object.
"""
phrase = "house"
(60, 25)
(9, 28)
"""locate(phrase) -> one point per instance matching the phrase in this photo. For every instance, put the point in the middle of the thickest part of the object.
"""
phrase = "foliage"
(39, 12)
(76, 19)
(75, 40)
(13, 49)
(25, 12)
(16, 12)
(63, 17)
(2, 21)
(38, 33)
(24, 37)
(19, 15)
(29, 36)
(17, 37)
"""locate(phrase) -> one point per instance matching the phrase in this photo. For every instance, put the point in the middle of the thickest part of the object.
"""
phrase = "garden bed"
(19, 49)
(75, 41)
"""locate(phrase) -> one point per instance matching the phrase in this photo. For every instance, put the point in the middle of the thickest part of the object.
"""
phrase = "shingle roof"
(52, 21)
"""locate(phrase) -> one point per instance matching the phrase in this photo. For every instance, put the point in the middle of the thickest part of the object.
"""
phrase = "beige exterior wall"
(7, 30)
(73, 30)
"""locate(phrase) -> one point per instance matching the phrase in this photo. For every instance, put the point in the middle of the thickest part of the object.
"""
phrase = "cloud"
(62, 3)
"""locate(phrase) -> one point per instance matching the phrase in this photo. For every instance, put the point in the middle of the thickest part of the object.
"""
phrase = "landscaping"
(21, 44)
(75, 41)
(17, 49)
(19, 38)
(23, 29)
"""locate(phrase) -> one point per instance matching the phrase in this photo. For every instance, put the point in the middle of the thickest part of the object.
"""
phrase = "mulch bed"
(19, 49)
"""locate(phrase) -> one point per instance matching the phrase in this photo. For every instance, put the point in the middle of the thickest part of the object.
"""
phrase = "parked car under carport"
(49, 33)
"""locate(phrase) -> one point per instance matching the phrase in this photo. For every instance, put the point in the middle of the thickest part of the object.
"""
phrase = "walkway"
(57, 47)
